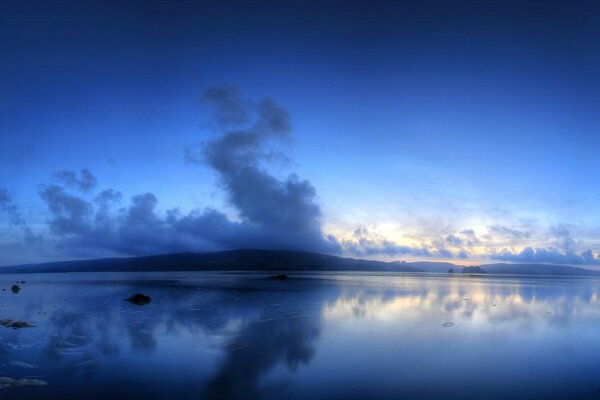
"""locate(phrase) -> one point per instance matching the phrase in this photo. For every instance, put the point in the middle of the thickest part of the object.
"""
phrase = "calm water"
(228, 336)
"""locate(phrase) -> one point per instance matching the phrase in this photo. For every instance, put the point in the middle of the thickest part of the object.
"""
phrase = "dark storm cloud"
(8, 207)
(229, 106)
(105, 201)
(15, 218)
(85, 182)
(70, 214)
(281, 207)
(272, 212)
(97, 226)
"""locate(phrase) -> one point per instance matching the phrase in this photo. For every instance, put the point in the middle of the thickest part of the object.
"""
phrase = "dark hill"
(281, 260)
(232, 260)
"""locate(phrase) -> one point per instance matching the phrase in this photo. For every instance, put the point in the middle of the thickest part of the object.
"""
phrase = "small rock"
(15, 289)
(139, 299)
(279, 277)
(9, 323)
(447, 324)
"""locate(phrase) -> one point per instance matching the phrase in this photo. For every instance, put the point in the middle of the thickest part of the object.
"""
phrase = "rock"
(9, 323)
(451, 270)
(15, 289)
(447, 324)
(279, 277)
(139, 299)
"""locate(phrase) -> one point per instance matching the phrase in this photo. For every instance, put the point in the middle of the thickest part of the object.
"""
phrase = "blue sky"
(440, 130)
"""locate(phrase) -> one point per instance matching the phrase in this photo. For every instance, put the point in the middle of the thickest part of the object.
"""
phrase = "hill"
(537, 269)
(232, 260)
(283, 260)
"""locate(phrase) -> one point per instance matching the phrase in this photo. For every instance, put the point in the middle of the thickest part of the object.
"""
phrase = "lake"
(317, 336)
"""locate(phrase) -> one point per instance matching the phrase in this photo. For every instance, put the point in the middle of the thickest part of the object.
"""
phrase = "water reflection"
(220, 336)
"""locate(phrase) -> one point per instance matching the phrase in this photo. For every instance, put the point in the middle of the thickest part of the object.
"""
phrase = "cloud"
(365, 242)
(507, 232)
(562, 248)
(272, 212)
(85, 182)
(15, 218)
(547, 255)
(453, 240)
(8, 207)
(99, 226)
(70, 214)
(562, 238)
(229, 107)
(469, 238)
(284, 207)
(455, 245)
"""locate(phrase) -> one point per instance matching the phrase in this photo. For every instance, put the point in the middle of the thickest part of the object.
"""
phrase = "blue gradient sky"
(415, 121)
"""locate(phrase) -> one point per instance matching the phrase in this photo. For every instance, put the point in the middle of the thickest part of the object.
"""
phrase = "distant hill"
(432, 266)
(283, 260)
(538, 269)
(232, 260)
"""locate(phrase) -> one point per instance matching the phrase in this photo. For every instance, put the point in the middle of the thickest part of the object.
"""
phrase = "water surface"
(317, 336)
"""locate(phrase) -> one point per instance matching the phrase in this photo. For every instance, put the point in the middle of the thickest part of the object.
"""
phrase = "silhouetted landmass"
(233, 260)
(283, 260)
(538, 269)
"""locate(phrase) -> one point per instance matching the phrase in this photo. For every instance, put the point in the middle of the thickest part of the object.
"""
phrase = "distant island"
(284, 260)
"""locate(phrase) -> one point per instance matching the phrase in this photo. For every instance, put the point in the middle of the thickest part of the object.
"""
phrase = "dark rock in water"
(279, 277)
(139, 299)
(9, 323)
(473, 270)
(451, 270)
(15, 289)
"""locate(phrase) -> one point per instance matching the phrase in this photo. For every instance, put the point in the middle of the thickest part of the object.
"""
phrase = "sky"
(395, 130)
